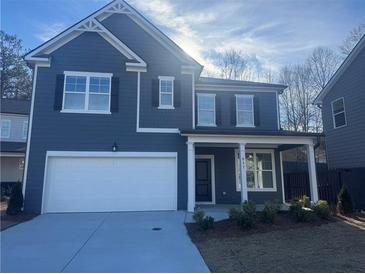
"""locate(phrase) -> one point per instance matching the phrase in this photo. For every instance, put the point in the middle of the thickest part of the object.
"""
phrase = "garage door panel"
(78, 184)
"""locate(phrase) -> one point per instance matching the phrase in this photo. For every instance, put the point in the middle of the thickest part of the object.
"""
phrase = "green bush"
(344, 201)
(298, 212)
(270, 212)
(204, 222)
(305, 201)
(15, 204)
(245, 220)
(249, 208)
(321, 209)
(233, 213)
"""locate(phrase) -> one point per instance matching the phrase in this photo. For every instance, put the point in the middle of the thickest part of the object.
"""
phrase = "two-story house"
(121, 120)
(343, 110)
(14, 127)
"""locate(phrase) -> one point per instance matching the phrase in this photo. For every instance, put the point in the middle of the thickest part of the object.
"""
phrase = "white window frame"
(334, 114)
(166, 78)
(252, 110)
(87, 92)
(199, 95)
(255, 151)
(3, 121)
(25, 130)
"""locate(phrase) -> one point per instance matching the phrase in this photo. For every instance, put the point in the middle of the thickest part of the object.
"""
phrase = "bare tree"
(232, 64)
(351, 40)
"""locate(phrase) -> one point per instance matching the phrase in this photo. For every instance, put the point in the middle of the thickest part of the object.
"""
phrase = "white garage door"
(98, 183)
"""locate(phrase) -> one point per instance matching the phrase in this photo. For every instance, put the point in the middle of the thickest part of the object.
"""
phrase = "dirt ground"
(9, 221)
(333, 246)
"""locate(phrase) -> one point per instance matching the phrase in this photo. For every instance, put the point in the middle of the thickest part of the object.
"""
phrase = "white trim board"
(212, 168)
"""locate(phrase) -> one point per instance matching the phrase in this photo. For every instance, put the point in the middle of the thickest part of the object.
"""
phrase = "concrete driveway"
(101, 242)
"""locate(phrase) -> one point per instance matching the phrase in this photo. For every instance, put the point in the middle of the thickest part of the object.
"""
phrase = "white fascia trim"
(158, 130)
(254, 139)
(117, 154)
(206, 87)
(87, 73)
(336, 76)
(29, 130)
(12, 154)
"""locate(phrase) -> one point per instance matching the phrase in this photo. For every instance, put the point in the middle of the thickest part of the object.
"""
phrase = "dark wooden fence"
(329, 184)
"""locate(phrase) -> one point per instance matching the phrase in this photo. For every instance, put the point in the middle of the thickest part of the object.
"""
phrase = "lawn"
(321, 246)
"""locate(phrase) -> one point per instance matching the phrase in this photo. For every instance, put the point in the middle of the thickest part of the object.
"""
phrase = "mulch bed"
(9, 221)
(230, 229)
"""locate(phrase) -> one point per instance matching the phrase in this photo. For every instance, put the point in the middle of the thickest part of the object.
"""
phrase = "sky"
(272, 33)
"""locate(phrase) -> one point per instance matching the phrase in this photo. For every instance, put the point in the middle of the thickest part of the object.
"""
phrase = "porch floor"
(220, 211)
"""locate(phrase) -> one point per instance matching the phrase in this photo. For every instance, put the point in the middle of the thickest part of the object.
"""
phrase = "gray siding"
(346, 145)
(53, 130)
(267, 109)
(225, 177)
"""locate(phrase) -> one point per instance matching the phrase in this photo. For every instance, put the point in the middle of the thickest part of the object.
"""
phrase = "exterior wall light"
(115, 147)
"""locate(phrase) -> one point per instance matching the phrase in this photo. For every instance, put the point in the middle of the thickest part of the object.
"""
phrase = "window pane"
(166, 99)
(75, 83)
(337, 106)
(206, 102)
(340, 119)
(206, 117)
(5, 129)
(99, 102)
(166, 86)
(263, 161)
(244, 103)
(74, 101)
(99, 84)
(245, 118)
(250, 161)
(267, 179)
(250, 175)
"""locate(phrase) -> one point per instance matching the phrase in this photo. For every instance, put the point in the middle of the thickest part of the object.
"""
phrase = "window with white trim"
(87, 92)
(206, 109)
(244, 111)
(166, 92)
(338, 113)
(260, 171)
(25, 130)
(5, 128)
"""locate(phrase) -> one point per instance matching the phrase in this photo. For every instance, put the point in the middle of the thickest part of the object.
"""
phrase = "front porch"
(226, 170)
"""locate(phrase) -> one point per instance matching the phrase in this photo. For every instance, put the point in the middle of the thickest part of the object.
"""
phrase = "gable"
(354, 54)
(94, 23)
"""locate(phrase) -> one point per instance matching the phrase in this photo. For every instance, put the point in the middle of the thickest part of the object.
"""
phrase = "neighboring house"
(343, 110)
(122, 121)
(14, 129)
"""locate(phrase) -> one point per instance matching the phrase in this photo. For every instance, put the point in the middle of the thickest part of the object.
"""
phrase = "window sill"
(206, 125)
(166, 107)
(248, 126)
(85, 112)
(340, 126)
(260, 190)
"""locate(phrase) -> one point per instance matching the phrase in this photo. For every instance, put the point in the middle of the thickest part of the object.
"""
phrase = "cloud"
(47, 32)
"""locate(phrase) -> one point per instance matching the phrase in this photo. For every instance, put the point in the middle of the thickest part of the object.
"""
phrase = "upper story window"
(166, 92)
(338, 113)
(5, 128)
(25, 130)
(244, 111)
(87, 92)
(206, 109)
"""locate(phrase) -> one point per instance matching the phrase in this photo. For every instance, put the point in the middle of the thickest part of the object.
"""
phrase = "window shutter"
(114, 100)
(177, 93)
(155, 92)
(218, 112)
(233, 111)
(256, 110)
(60, 79)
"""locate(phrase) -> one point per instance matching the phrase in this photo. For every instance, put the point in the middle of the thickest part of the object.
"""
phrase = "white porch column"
(312, 173)
(242, 156)
(191, 176)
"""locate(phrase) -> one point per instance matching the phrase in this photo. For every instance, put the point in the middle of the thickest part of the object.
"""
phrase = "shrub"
(298, 212)
(249, 208)
(16, 200)
(322, 209)
(204, 222)
(344, 202)
(270, 212)
(233, 213)
(245, 220)
(305, 201)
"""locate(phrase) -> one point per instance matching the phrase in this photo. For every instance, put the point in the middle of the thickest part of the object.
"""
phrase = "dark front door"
(203, 179)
